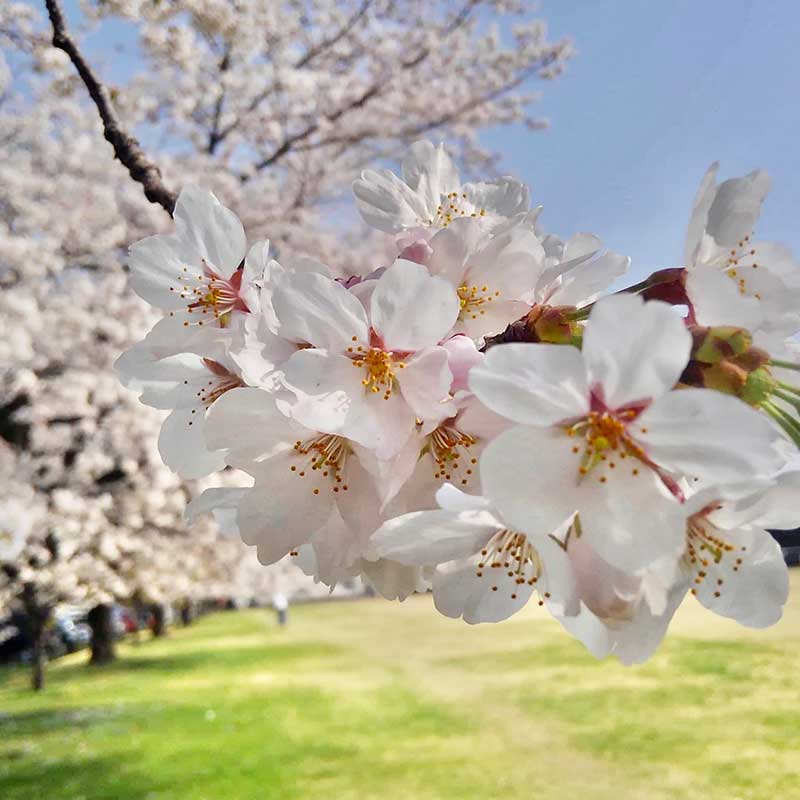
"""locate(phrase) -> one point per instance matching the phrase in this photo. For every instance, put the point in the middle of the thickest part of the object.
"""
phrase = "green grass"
(367, 700)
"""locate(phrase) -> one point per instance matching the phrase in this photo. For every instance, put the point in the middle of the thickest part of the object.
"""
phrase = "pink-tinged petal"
(316, 310)
(410, 309)
(451, 248)
(632, 641)
(750, 584)
(458, 591)
(462, 356)
(532, 384)
(532, 477)
(716, 300)
(210, 230)
(387, 203)
(425, 383)
(634, 351)
(710, 436)
(247, 424)
(432, 537)
(281, 512)
(182, 445)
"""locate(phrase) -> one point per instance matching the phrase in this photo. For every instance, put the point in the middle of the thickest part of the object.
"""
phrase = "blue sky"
(657, 92)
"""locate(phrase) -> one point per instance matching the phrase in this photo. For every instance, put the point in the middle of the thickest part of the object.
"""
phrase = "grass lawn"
(367, 700)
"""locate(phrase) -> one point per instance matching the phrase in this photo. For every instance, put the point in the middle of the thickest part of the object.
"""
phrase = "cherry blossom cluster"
(472, 417)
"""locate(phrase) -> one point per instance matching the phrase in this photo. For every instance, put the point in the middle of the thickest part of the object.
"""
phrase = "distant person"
(281, 606)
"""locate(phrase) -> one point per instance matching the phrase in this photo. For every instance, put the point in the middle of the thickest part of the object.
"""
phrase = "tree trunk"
(101, 622)
(159, 620)
(38, 619)
(187, 613)
(39, 658)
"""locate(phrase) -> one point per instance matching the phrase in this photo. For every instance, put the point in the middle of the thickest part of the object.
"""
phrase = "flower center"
(511, 552)
(379, 366)
(741, 258)
(453, 206)
(322, 458)
(209, 293)
(222, 380)
(705, 546)
(450, 450)
(606, 441)
(473, 299)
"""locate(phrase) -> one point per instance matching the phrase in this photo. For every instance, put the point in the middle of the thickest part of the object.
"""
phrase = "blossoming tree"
(464, 411)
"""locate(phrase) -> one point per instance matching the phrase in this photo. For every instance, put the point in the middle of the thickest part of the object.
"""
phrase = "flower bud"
(554, 324)
(712, 345)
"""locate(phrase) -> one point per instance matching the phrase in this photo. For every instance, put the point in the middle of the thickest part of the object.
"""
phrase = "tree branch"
(126, 148)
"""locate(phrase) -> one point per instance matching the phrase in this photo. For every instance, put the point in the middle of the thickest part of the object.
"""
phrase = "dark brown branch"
(126, 148)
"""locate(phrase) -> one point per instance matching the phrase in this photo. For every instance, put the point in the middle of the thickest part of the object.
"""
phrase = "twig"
(126, 148)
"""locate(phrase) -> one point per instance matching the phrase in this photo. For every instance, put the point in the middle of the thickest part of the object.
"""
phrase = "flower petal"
(411, 309)
(280, 512)
(459, 592)
(634, 351)
(387, 203)
(212, 231)
(751, 584)
(532, 384)
(182, 445)
(710, 436)
(425, 383)
(532, 477)
(313, 309)
(432, 537)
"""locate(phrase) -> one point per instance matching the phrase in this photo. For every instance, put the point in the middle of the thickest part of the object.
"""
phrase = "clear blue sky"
(657, 92)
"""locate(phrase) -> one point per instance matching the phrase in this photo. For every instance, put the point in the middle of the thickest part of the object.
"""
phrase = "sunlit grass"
(367, 700)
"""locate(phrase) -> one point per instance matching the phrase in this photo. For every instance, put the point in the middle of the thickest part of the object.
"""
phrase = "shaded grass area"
(367, 700)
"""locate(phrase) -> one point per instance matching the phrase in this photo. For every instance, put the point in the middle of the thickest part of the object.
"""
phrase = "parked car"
(72, 628)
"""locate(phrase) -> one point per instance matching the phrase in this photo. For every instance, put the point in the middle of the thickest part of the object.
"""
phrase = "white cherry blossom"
(430, 194)
(732, 278)
(603, 434)
(368, 376)
(486, 569)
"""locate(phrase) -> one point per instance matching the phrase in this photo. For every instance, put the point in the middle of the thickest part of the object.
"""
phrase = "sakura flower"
(194, 273)
(620, 614)
(576, 271)
(491, 274)
(732, 565)
(430, 194)
(486, 569)
(602, 434)
(186, 384)
(304, 479)
(368, 376)
(732, 279)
